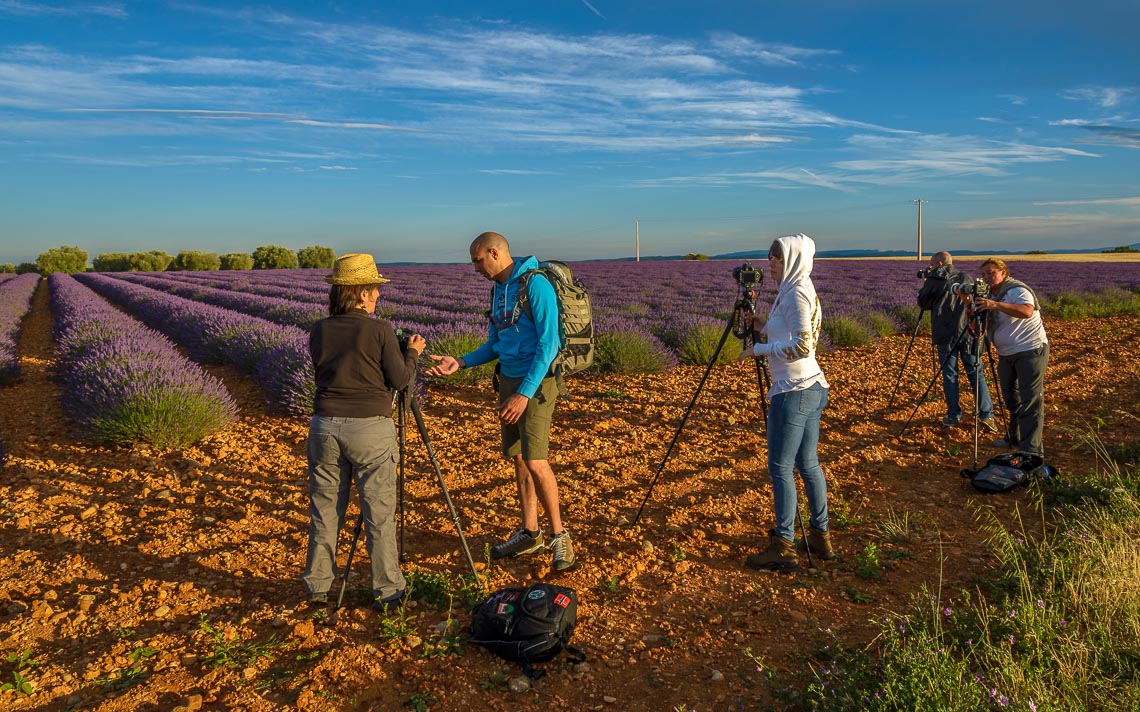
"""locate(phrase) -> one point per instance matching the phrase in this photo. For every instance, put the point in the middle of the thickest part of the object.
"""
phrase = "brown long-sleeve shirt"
(358, 365)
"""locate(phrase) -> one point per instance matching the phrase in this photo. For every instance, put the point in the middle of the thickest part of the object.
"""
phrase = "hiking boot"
(563, 550)
(949, 422)
(521, 542)
(384, 605)
(819, 543)
(316, 600)
(989, 424)
(779, 556)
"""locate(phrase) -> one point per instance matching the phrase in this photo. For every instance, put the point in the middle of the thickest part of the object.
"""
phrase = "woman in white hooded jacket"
(798, 396)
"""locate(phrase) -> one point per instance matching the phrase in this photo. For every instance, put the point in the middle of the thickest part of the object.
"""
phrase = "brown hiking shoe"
(820, 544)
(779, 556)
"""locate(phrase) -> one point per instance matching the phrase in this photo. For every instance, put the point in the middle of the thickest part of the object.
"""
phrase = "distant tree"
(696, 256)
(237, 260)
(1122, 248)
(7, 268)
(112, 262)
(316, 256)
(1037, 252)
(194, 261)
(25, 267)
(153, 261)
(274, 257)
(66, 259)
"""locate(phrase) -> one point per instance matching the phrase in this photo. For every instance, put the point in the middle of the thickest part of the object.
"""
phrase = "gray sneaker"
(520, 543)
(949, 422)
(563, 550)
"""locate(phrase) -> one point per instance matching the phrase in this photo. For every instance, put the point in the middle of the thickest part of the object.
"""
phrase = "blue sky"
(405, 129)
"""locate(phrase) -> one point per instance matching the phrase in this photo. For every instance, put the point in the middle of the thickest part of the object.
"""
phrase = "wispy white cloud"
(22, 7)
(1096, 201)
(1046, 225)
(768, 53)
(336, 168)
(1014, 99)
(513, 172)
(348, 125)
(779, 178)
(1102, 97)
(593, 9)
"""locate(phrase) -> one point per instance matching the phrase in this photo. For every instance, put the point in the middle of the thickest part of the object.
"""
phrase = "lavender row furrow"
(15, 301)
(125, 383)
(276, 356)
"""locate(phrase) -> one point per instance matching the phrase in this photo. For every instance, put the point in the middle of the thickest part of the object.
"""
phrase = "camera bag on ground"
(575, 317)
(1005, 472)
(527, 625)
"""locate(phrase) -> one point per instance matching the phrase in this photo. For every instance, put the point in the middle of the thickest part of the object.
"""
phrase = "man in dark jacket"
(947, 322)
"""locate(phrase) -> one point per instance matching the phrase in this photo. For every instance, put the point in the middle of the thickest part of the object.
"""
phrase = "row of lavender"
(671, 310)
(276, 356)
(15, 301)
(125, 383)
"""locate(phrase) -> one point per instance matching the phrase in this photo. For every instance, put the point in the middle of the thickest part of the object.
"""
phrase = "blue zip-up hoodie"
(525, 348)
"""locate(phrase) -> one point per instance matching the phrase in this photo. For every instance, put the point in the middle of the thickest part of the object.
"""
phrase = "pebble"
(162, 611)
(85, 602)
(304, 630)
(413, 641)
(520, 683)
(165, 493)
(249, 673)
(609, 699)
(193, 702)
(647, 547)
(717, 676)
(88, 513)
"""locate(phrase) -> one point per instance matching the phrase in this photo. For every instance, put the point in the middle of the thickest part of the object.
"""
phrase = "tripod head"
(749, 279)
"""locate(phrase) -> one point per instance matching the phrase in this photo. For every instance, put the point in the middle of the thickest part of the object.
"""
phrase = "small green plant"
(678, 553)
(231, 651)
(610, 583)
(952, 449)
(842, 514)
(856, 596)
(22, 663)
(396, 625)
(446, 642)
(124, 633)
(497, 682)
(867, 562)
(896, 527)
(419, 701)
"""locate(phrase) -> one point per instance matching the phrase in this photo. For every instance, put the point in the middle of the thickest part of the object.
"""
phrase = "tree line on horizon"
(70, 260)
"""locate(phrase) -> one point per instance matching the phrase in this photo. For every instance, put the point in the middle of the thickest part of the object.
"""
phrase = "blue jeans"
(1022, 379)
(343, 451)
(974, 371)
(793, 440)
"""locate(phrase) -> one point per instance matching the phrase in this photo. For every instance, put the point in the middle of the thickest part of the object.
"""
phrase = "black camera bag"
(1005, 472)
(527, 625)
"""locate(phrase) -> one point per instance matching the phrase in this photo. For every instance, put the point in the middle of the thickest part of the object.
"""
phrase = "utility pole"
(636, 240)
(920, 201)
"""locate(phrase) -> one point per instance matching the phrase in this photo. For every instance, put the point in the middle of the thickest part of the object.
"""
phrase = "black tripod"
(906, 357)
(405, 397)
(975, 329)
(742, 312)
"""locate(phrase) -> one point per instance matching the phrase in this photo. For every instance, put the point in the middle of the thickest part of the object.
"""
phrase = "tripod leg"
(348, 564)
(953, 353)
(402, 430)
(443, 486)
(684, 417)
(803, 533)
(906, 356)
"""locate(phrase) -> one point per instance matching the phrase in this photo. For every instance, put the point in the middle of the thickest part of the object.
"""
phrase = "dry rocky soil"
(146, 580)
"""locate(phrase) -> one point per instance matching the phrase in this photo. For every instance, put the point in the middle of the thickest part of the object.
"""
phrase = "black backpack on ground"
(527, 625)
(1005, 472)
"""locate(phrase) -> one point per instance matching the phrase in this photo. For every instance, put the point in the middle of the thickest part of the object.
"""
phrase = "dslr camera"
(978, 289)
(925, 273)
(747, 276)
(402, 339)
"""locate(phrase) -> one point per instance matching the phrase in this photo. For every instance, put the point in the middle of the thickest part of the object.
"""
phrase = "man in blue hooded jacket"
(525, 347)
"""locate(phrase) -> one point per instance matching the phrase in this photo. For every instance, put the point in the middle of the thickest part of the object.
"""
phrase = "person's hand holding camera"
(417, 343)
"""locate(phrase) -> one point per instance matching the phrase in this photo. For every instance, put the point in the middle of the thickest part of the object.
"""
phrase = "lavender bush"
(125, 383)
(15, 300)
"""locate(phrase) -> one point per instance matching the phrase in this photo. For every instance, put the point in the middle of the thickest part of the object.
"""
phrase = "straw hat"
(353, 269)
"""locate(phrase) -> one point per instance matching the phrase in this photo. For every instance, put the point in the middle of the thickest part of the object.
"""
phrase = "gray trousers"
(343, 451)
(1022, 379)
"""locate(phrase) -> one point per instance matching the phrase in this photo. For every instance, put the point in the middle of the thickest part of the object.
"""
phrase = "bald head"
(491, 240)
(492, 256)
(941, 258)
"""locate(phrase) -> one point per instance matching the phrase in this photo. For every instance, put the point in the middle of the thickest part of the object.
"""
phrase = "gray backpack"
(575, 317)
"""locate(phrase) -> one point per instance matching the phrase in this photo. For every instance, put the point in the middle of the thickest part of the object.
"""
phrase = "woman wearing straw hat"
(359, 366)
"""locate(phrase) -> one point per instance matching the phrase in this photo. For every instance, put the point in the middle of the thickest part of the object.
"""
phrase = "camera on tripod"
(978, 289)
(925, 273)
(747, 276)
(402, 338)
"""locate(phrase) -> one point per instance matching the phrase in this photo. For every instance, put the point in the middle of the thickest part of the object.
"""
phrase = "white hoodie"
(793, 325)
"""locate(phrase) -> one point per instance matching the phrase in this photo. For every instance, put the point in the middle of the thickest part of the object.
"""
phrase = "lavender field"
(649, 315)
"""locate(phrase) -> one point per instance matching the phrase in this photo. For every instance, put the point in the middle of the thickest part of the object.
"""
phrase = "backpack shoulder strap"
(524, 286)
